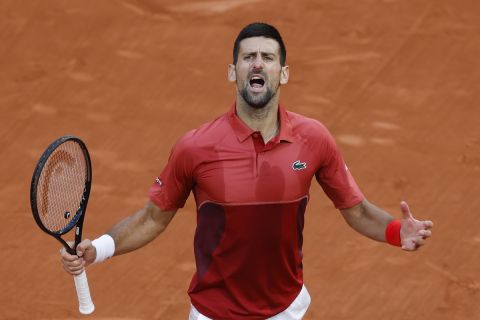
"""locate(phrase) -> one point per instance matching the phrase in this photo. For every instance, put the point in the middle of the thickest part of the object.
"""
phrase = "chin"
(257, 102)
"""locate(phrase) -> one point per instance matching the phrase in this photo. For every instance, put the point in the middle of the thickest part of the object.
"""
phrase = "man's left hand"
(413, 232)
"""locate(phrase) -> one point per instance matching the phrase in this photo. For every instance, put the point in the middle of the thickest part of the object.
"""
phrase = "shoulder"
(208, 134)
(315, 136)
(307, 128)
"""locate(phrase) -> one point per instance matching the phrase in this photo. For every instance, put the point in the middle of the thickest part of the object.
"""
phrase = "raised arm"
(377, 224)
(129, 234)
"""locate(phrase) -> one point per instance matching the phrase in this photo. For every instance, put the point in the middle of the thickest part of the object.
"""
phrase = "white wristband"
(105, 247)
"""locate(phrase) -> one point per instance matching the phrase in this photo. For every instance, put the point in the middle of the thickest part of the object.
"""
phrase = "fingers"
(405, 210)
(427, 224)
(425, 233)
(407, 214)
(83, 246)
(67, 256)
(73, 264)
(413, 244)
(74, 268)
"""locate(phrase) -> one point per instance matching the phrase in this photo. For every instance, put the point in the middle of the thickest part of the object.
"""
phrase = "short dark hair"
(260, 29)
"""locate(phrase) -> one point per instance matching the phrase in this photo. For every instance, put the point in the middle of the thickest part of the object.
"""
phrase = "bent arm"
(129, 234)
(140, 228)
(368, 220)
(372, 222)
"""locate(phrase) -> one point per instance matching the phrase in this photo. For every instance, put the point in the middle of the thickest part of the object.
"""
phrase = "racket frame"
(77, 220)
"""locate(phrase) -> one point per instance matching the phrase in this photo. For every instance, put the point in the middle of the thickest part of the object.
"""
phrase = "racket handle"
(85, 304)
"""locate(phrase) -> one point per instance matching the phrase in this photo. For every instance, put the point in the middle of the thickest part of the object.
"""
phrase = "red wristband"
(392, 233)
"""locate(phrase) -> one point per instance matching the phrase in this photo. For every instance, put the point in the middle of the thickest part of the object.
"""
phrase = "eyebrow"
(263, 53)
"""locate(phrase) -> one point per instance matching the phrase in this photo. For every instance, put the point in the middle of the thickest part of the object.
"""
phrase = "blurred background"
(396, 81)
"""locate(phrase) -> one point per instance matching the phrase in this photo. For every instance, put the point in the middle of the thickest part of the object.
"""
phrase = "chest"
(253, 175)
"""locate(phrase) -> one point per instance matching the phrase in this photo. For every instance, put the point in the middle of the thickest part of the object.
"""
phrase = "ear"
(284, 75)
(232, 76)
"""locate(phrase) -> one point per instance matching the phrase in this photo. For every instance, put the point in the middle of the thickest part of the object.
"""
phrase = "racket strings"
(61, 186)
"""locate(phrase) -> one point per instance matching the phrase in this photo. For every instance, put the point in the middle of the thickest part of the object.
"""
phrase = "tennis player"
(250, 172)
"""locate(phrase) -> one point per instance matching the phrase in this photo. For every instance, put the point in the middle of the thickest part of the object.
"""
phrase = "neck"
(264, 120)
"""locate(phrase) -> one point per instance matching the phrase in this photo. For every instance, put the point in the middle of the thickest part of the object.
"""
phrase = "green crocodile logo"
(297, 165)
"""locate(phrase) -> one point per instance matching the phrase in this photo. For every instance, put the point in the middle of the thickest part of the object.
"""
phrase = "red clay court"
(397, 83)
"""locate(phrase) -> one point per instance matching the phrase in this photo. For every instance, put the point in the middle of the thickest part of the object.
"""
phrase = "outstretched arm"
(129, 234)
(372, 222)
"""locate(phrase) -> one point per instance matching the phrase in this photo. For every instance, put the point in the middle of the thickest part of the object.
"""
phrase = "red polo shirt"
(251, 201)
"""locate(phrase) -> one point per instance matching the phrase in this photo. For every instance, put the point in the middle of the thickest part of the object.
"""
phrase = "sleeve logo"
(298, 165)
(158, 181)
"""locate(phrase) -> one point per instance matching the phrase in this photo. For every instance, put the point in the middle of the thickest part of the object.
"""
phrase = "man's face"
(258, 72)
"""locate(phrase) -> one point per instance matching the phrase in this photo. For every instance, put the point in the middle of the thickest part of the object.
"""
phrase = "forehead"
(261, 44)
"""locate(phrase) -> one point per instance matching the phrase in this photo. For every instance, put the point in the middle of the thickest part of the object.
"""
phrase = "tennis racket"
(59, 195)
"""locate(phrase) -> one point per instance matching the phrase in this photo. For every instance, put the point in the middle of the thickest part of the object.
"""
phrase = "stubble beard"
(258, 101)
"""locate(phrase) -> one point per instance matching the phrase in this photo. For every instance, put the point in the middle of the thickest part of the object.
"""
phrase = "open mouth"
(257, 82)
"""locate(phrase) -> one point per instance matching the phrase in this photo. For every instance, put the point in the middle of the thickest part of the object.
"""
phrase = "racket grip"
(85, 303)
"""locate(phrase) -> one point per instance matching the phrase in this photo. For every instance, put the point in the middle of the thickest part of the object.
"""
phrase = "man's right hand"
(75, 264)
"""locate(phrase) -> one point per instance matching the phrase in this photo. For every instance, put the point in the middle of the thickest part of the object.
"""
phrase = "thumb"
(82, 247)
(405, 210)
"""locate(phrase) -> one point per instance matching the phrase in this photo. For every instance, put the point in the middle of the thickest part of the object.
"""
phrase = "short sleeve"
(172, 188)
(335, 178)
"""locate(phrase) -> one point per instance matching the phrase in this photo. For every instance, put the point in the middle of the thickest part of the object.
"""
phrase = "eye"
(268, 58)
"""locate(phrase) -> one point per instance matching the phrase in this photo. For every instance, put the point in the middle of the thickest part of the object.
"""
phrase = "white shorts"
(295, 311)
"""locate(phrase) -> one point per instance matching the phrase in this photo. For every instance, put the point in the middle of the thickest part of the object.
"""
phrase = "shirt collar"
(242, 131)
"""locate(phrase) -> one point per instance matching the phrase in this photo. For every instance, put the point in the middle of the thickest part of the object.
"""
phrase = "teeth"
(257, 81)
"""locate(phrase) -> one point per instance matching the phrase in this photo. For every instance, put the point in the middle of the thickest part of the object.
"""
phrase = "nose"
(258, 62)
